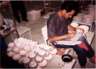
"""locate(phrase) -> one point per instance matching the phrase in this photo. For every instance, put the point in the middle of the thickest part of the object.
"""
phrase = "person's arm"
(63, 37)
(71, 33)
(6, 33)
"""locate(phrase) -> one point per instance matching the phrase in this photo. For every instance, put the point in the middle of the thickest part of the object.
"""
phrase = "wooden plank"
(90, 36)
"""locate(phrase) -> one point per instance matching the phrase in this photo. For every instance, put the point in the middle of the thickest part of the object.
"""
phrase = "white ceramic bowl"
(41, 52)
(22, 52)
(74, 24)
(32, 64)
(84, 27)
(9, 49)
(43, 63)
(10, 54)
(54, 51)
(49, 57)
(11, 45)
(26, 60)
(16, 57)
(16, 50)
(31, 54)
(39, 58)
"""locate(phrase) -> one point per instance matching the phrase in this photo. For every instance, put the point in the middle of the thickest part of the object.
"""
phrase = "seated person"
(58, 25)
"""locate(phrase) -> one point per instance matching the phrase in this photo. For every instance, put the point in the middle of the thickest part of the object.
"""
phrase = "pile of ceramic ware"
(30, 53)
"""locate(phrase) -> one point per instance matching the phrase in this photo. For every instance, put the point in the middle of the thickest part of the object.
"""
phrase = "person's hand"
(12, 29)
(1, 32)
(71, 35)
(71, 30)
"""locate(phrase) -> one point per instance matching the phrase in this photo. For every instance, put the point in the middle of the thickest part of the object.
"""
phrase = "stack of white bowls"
(30, 53)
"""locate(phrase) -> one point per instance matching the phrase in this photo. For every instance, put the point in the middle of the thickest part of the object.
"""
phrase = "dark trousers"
(18, 8)
(81, 52)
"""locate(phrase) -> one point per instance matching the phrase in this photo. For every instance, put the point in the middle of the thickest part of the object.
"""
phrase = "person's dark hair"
(71, 5)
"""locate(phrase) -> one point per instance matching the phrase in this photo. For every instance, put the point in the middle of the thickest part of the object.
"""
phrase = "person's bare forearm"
(63, 37)
(56, 38)
(6, 33)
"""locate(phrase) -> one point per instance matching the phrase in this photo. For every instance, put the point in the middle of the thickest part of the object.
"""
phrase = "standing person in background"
(19, 9)
(5, 61)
